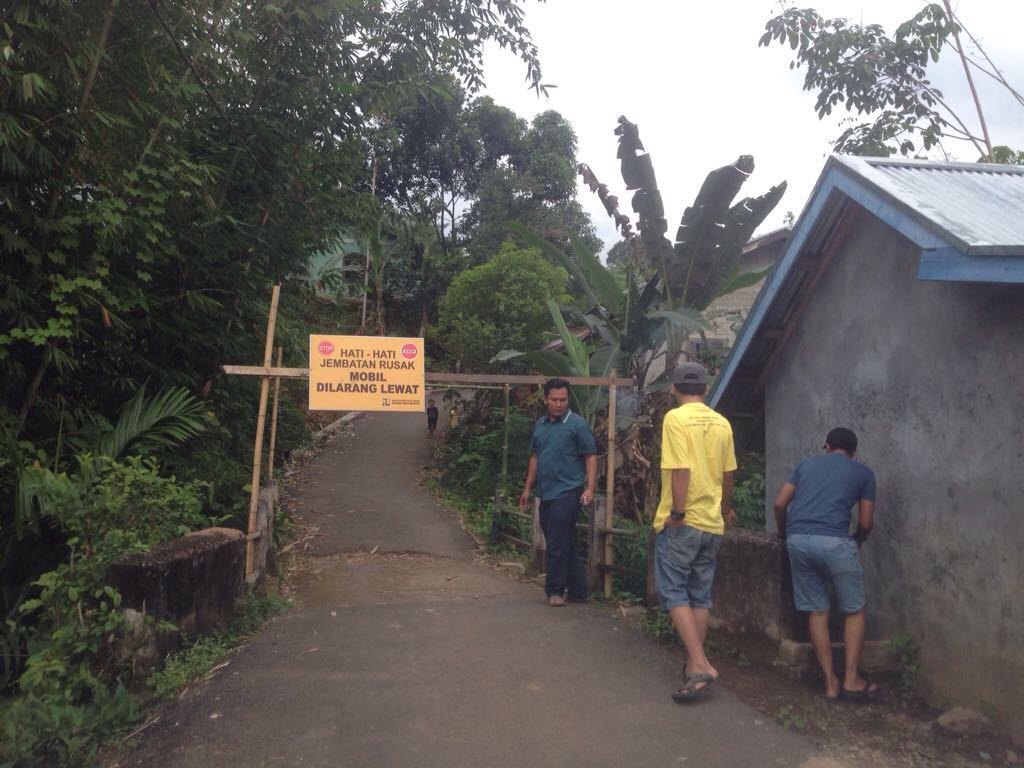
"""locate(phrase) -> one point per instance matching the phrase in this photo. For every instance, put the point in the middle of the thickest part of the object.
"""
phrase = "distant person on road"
(563, 463)
(432, 414)
(697, 465)
(812, 511)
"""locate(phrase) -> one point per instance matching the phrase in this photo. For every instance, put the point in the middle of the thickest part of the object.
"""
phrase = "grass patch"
(658, 624)
(194, 662)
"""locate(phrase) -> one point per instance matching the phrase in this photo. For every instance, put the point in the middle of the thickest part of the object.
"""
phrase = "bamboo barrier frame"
(600, 536)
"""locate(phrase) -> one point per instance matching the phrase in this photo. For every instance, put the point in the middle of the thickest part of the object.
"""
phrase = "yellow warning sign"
(365, 373)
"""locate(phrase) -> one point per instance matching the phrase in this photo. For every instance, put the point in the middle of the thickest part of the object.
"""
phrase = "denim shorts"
(818, 561)
(684, 566)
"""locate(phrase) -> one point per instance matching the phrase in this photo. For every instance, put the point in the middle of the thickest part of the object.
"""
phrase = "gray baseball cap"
(689, 373)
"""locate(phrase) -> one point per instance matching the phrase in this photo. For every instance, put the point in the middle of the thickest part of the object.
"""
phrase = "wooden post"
(595, 514)
(273, 423)
(609, 554)
(261, 420)
(504, 448)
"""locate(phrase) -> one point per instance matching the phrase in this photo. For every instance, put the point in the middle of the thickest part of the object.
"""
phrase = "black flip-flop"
(866, 695)
(691, 690)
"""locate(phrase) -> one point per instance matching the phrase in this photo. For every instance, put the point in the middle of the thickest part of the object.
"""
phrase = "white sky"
(691, 75)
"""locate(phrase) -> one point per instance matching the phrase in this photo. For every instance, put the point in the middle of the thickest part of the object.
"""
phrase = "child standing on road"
(432, 414)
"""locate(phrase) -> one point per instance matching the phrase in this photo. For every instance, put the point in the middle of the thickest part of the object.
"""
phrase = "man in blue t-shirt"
(563, 463)
(812, 511)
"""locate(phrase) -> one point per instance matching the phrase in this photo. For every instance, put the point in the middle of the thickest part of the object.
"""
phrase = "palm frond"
(148, 424)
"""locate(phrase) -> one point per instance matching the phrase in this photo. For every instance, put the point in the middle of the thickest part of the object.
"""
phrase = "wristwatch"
(677, 515)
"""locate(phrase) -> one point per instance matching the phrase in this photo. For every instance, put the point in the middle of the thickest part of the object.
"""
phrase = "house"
(897, 309)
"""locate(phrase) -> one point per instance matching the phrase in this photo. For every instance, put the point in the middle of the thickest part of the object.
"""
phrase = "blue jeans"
(563, 565)
(684, 566)
(818, 561)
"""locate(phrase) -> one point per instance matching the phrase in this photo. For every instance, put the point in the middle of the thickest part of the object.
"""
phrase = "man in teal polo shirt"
(563, 463)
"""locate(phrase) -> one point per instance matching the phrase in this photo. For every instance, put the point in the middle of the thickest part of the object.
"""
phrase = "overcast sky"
(691, 75)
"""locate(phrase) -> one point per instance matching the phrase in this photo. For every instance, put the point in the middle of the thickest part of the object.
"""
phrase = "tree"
(174, 160)
(885, 80)
(530, 179)
(499, 303)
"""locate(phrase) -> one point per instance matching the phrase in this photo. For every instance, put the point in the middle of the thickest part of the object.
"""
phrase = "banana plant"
(627, 324)
(704, 261)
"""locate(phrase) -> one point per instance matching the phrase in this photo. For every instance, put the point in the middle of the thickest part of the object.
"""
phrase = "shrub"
(73, 685)
(500, 304)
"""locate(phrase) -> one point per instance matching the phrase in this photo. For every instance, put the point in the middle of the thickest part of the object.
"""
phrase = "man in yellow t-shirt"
(697, 465)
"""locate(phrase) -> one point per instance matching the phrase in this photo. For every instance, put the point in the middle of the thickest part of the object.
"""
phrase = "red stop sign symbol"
(409, 351)
(325, 347)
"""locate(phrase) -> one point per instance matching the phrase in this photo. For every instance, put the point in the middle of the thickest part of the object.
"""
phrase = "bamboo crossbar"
(517, 513)
(253, 536)
(518, 542)
(618, 531)
(436, 378)
(620, 570)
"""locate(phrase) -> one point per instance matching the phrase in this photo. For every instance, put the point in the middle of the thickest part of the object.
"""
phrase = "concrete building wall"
(931, 377)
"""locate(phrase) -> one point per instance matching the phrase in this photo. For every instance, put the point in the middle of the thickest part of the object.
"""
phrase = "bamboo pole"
(504, 448)
(273, 422)
(261, 420)
(609, 508)
(970, 83)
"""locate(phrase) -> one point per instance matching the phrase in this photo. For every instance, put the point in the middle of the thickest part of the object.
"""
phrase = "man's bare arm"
(782, 499)
(590, 463)
(728, 516)
(680, 487)
(865, 520)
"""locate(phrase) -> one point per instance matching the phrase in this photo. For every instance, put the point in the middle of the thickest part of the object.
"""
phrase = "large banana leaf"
(702, 228)
(574, 348)
(688, 319)
(595, 278)
(743, 219)
(738, 280)
(711, 235)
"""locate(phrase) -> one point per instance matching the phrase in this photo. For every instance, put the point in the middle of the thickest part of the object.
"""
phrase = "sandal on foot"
(696, 686)
(866, 694)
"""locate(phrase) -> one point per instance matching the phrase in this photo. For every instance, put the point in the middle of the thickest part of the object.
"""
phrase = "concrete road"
(416, 655)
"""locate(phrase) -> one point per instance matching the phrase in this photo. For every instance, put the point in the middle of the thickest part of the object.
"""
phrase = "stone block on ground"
(191, 581)
(752, 589)
(878, 655)
(961, 721)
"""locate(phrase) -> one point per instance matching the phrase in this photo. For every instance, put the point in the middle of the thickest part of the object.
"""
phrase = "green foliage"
(748, 496)
(788, 717)
(150, 200)
(908, 655)
(884, 79)
(44, 731)
(193, 662)
(658, 624)
(1005, 155)
(74, 676)
(470, 460)
(863, 68)
(498, 304)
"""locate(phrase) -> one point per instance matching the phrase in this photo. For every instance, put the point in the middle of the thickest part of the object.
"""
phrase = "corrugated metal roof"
(977, 206)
